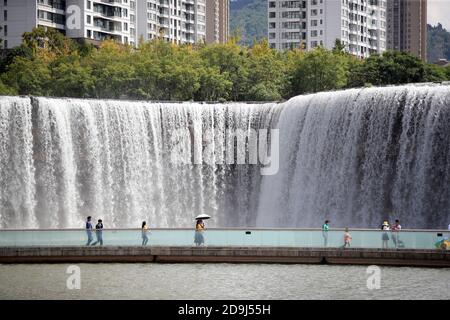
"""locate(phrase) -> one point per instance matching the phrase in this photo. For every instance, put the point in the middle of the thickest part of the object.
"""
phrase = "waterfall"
(361, 156)
(355, 157)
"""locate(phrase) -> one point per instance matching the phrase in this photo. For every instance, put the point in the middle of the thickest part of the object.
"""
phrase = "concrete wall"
(21, 17)
(412, 258)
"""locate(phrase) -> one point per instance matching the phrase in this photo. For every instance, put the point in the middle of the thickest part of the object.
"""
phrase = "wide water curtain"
(126, 162)
(356, 157)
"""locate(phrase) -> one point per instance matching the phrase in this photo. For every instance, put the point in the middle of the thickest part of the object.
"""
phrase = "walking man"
(99, 232)
(89, 230)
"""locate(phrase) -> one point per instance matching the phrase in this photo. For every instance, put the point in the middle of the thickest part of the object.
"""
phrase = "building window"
(89, 5)
(5, 30)
(89, 19)
(5, 15)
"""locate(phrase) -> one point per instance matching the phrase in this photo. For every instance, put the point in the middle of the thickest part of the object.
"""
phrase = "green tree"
(434, 73)
(393, 68)
(112, 71)
(267, 78)
(319, 70)
(232, 62)
(48, 39)
(20, 51)
(28, 77)
(339, 47)
(447, 72)
(6, 90)
(71, 79)
(214, 86)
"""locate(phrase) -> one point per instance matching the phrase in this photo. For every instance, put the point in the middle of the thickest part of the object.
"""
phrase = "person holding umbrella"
(199, 229)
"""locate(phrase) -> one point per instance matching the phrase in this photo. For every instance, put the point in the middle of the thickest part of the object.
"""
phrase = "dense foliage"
(49, 64)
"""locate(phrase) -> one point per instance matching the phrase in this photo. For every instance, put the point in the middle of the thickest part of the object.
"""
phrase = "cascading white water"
(356, 157)
(359, 157)
(125, 162)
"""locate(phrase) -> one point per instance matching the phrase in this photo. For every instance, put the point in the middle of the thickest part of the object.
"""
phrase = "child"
(347, 238)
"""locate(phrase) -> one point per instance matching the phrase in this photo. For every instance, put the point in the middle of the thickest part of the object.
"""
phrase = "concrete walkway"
(81, 254)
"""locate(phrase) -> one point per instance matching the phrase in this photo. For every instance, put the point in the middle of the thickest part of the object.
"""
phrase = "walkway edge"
(118, 254)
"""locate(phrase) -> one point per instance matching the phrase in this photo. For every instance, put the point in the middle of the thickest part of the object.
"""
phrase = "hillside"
(438, 43)
(249, 18)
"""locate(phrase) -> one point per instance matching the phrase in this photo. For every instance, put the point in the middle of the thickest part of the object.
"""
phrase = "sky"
(439, 11)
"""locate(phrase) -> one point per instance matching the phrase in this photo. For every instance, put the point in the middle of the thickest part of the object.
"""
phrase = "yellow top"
(200, 226)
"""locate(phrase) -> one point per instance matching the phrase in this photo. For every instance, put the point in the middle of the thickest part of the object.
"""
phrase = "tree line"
(49, 64)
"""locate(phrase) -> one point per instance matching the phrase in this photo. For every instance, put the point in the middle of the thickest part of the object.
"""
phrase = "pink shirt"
(347, 237)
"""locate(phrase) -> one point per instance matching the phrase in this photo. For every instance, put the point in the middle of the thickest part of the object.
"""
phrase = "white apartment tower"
(126, 21)
(95, 20)
(177, 21)
(103, 19)
(360, 25)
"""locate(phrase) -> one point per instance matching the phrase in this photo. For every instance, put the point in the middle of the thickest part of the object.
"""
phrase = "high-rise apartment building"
(360, 25)
(217, 21)
(126, 21)
(177, 21)
(78, 19)
(407, 26)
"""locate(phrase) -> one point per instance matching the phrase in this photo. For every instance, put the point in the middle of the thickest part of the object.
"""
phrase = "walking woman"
(325, 229)
(144, 233)
(385, 236)
(199, 228)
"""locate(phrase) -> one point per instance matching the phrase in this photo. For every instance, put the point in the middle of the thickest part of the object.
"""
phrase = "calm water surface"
(220, 281)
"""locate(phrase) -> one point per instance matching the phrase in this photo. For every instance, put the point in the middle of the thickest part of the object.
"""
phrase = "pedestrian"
(89, 230)
(199, 228)
(144, 233)
(99, 232)
(395, 234)
(347, 238)
(325, 228)
(385, 236)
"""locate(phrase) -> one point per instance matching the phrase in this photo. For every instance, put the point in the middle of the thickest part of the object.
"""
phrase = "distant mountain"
(249, 17)
(438, 43)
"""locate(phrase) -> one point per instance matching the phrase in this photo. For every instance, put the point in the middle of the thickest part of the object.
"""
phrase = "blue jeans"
(144, 239)
(90, 238)
(99, 238)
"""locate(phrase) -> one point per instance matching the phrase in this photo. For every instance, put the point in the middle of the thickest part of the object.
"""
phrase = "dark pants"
(90, 238)
(99, 238)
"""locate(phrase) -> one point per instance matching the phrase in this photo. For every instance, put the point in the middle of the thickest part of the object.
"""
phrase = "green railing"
(308, 238)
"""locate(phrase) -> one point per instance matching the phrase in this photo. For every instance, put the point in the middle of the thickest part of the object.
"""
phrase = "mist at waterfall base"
(355, 157)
